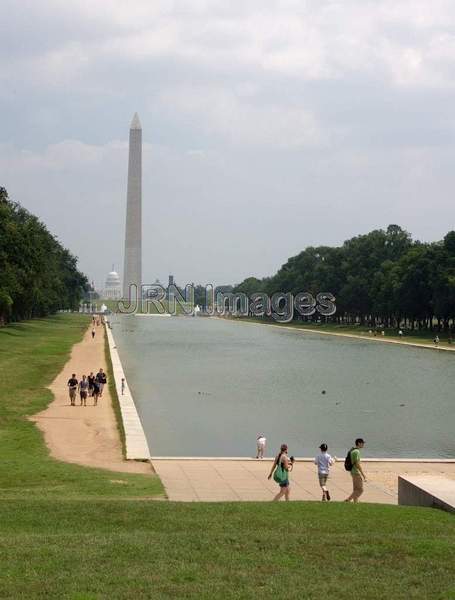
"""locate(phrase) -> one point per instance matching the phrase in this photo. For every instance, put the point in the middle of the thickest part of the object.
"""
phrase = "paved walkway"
(214, 480)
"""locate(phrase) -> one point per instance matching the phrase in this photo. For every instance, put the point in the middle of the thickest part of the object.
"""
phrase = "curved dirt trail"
(85, 435)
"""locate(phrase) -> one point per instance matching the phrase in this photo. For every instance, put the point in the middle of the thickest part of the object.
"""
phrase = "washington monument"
(132, 272)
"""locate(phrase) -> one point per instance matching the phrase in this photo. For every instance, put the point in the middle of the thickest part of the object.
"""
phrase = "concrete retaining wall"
(431, 491)
(135, 441)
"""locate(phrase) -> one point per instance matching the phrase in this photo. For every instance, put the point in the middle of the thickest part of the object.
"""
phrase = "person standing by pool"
(357, 474)
(324, 461)
(72, 388)
(261, 441)
(280, 471)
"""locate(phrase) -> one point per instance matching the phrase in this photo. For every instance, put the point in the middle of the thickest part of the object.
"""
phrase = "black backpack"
(347, 461)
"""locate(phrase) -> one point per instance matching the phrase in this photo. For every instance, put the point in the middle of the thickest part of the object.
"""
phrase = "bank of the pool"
(135, 442)
(356, 336)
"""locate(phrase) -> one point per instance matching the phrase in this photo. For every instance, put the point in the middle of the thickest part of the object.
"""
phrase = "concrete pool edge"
(338, 334)
(305, 459)
(136, 445)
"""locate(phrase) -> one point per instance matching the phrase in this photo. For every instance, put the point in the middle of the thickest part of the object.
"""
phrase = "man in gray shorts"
(102, 380)
(72, 389)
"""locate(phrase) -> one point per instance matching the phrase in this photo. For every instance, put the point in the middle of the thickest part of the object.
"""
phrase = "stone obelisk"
(132, 272)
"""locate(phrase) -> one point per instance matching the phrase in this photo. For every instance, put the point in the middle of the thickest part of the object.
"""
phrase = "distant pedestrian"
(282, 465)
(324, 461)
(93, 334)
(400, 333)
(123, 385)
(352, 464)
(436, 340)
(383, 333)
(83, 390)
(72, 388)
(261, 442)
(90, 379)
(101, 379)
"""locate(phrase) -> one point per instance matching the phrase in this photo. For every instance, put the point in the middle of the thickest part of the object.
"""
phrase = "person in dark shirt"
(96, 392)
(101, 379)
(90, 379)
(72, 388)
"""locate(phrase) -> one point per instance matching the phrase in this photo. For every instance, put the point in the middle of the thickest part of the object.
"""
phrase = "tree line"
(382, 278)
(38, 276)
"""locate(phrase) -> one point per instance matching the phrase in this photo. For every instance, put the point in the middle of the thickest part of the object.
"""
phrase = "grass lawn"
(71, 532)
(31, 355)
(135, 549)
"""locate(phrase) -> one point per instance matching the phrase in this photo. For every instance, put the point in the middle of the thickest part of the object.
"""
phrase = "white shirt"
(323, 461)
(261, 441)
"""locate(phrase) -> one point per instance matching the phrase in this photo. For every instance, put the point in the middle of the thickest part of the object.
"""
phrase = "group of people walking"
(89, 386)
(283, 465)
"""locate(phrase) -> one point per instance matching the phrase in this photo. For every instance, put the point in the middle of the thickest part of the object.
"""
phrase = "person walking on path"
(261, 441)
(280, 471)
(324, 461)
(96, 392)
(357, 474)
(123, 385)
(72, 388)
(91, 380)
(101, 379)
(83, 390)
(93, 333)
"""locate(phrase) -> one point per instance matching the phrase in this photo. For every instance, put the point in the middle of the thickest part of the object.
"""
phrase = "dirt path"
(85, 435)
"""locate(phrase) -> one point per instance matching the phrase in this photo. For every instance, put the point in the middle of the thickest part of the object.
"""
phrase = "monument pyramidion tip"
(135, 123)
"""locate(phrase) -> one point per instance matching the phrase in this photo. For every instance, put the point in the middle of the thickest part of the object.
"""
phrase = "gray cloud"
(267, 127)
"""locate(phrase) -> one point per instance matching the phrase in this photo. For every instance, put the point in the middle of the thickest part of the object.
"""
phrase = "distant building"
(153, 291)
(112, 287)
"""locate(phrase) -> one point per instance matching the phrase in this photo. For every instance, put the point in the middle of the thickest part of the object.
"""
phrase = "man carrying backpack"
(352, 464)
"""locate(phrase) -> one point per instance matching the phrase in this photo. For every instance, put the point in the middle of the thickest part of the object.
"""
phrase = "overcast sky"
(267, 126)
